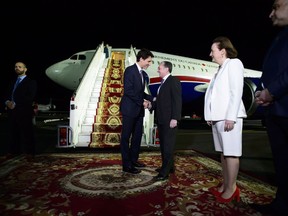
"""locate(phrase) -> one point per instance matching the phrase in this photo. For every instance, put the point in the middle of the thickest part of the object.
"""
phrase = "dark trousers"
(277, 130)
(167, 138)
(131, 128)
(21, 133)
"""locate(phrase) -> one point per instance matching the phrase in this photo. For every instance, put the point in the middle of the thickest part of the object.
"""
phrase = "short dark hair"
(144, 53)
(21, 62)
(168, 64)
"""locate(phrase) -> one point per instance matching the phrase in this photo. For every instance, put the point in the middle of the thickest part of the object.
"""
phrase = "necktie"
(15, 86)
(162, 81)
(141, 75)
(17, 82)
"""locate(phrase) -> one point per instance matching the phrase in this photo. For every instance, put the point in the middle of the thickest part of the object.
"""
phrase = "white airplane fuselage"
(194, 75)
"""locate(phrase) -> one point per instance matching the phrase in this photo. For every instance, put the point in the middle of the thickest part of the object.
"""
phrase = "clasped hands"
(263, 98)
(10, 104)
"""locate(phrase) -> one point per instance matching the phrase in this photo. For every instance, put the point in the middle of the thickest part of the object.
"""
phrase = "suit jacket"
(223, 97)
(275, 74)
(132, 100)
(168, 104)
(24, 96)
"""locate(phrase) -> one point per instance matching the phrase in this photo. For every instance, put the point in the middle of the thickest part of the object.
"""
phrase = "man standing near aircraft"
(132, 107)
(20, 113)
(274, 97)
(168, 106)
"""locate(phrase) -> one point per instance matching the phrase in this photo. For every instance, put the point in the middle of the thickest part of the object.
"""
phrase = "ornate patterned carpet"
(93, 184)
(107, 123)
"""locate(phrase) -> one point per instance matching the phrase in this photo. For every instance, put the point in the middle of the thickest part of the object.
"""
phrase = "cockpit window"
(78, 57)
(74, 57)
(82, 57)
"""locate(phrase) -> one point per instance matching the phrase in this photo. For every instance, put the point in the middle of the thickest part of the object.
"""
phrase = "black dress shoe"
(138, 165)
(157, 169)
(171, 170)
(160, 178)
(131, 170)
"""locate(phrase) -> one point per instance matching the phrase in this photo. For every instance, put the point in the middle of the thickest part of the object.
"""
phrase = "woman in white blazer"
(224, 112)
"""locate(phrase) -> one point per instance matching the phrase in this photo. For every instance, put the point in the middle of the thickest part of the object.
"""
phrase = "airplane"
(44, 107)
(193, 73)
(78, 72)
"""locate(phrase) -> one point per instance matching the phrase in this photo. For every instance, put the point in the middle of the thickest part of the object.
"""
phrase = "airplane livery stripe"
(182, 79)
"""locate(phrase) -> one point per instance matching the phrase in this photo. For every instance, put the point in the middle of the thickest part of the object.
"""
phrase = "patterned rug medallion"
(109, 181)
(94, 184)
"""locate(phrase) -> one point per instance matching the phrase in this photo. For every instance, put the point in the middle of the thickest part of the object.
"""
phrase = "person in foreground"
(132, 105)
(224, 112)
(20, 113)
(168, 106)
(274, 98)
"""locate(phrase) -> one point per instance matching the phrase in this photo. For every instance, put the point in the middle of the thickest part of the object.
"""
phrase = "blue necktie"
(15, 86)
(17, 82)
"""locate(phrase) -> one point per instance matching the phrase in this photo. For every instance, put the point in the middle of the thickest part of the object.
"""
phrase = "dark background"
(44, 32)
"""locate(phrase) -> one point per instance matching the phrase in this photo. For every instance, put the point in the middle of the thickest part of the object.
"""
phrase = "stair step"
(87, 128)
(84, 138)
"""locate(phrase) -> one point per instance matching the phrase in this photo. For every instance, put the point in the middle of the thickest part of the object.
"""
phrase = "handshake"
(147, 104)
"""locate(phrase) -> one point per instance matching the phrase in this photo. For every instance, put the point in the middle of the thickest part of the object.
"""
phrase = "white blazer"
(223, 97)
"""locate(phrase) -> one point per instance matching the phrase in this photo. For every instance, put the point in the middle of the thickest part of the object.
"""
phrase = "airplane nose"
(52, 72)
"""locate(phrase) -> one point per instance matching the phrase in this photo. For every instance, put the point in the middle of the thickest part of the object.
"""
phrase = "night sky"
(49, 31)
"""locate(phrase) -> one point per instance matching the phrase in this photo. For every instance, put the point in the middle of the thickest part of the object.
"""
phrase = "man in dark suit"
(132, 107)
(20, 113)
(274, 97)
(168, 106)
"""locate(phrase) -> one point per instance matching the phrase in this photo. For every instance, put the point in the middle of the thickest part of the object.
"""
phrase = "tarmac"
(256, 159)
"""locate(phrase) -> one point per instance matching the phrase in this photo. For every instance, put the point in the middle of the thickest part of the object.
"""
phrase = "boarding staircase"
(95, 118)
(107, 123)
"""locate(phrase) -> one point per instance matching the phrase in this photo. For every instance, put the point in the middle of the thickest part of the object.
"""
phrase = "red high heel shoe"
(235, 195)
(214, 191)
